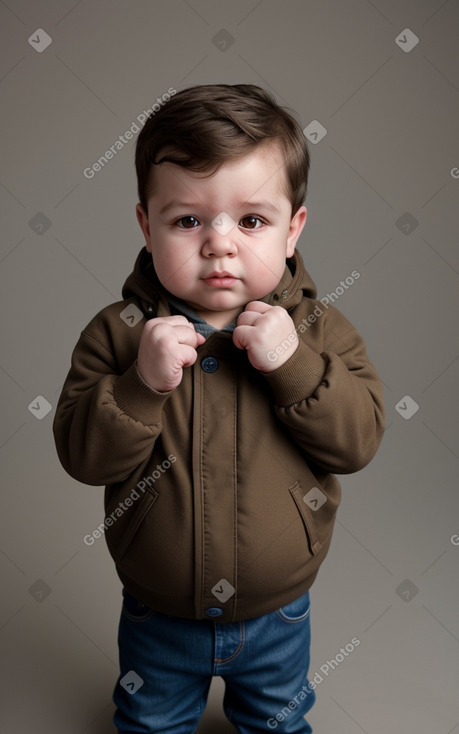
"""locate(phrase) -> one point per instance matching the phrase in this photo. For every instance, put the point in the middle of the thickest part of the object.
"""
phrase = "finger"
(171, 320)
(189, 336)
(241, 336)
(187, 356)
(258, 306)
(185, 335)
(248, 318)
(179, 334)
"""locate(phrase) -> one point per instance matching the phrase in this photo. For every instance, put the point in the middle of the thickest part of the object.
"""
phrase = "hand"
(262, 329)
(167, 345)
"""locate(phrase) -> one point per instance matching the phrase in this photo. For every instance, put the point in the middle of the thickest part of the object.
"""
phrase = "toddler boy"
(216, 402)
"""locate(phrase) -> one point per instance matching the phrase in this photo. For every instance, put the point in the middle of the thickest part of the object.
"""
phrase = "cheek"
(175, 271)
(170, 258)
(164, 266)
(265, 277)
(269, 265)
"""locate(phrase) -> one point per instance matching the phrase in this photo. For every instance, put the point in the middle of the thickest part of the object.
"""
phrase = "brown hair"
(202, 127)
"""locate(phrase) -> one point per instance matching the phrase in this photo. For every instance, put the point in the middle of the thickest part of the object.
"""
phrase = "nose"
(217, 244)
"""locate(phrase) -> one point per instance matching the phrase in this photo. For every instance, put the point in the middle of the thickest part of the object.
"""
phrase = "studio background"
(375, 85)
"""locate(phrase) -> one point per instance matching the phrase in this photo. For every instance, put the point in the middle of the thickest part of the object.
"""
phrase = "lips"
(220, 279)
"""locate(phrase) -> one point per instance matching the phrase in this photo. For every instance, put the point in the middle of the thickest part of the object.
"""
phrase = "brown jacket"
(221, 495)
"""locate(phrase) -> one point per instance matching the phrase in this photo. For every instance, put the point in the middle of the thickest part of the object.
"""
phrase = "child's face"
(216, 271)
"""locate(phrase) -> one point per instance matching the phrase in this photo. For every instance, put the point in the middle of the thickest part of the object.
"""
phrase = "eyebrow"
(261, 205)
(178, 205)
(190, 206)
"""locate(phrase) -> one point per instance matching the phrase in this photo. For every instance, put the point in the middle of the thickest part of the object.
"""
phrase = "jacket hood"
(295, 284)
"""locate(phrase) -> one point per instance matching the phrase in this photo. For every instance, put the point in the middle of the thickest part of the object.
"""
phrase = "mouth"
(220, 280)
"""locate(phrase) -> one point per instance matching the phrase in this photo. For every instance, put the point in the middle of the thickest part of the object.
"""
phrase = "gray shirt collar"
(178, 306)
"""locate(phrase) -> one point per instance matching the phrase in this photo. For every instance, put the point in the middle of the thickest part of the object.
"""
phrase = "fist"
(167, 345)
(262, 328)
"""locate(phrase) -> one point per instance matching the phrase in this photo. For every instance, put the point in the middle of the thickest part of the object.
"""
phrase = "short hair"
(202, 127)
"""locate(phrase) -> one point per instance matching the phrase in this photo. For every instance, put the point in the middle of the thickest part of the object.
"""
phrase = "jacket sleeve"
(106, 423)
(332, 401)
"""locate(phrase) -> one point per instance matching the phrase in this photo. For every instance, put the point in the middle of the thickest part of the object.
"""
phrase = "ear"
(296, 227)
(142, 218)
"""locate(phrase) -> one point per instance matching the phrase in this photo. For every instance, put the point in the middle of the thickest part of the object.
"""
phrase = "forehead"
(262, 172)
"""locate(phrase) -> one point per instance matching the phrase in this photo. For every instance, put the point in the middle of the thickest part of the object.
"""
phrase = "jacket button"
(213, 612)
(209, 364)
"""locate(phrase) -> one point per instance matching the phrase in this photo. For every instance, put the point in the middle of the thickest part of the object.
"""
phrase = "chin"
(222, 301)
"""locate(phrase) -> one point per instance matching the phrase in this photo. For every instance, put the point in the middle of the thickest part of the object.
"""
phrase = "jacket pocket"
(307, 514)
(125, 522)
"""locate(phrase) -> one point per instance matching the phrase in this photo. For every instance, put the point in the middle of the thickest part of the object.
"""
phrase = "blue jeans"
(167, 664)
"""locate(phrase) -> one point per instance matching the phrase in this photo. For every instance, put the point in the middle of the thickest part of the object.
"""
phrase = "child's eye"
(251, 222)
(187, 222)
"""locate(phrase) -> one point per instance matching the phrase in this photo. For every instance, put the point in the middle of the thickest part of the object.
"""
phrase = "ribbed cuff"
(298, 377)
(137, 399)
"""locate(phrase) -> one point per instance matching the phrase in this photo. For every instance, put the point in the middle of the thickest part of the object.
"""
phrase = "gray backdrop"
(380, 79)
